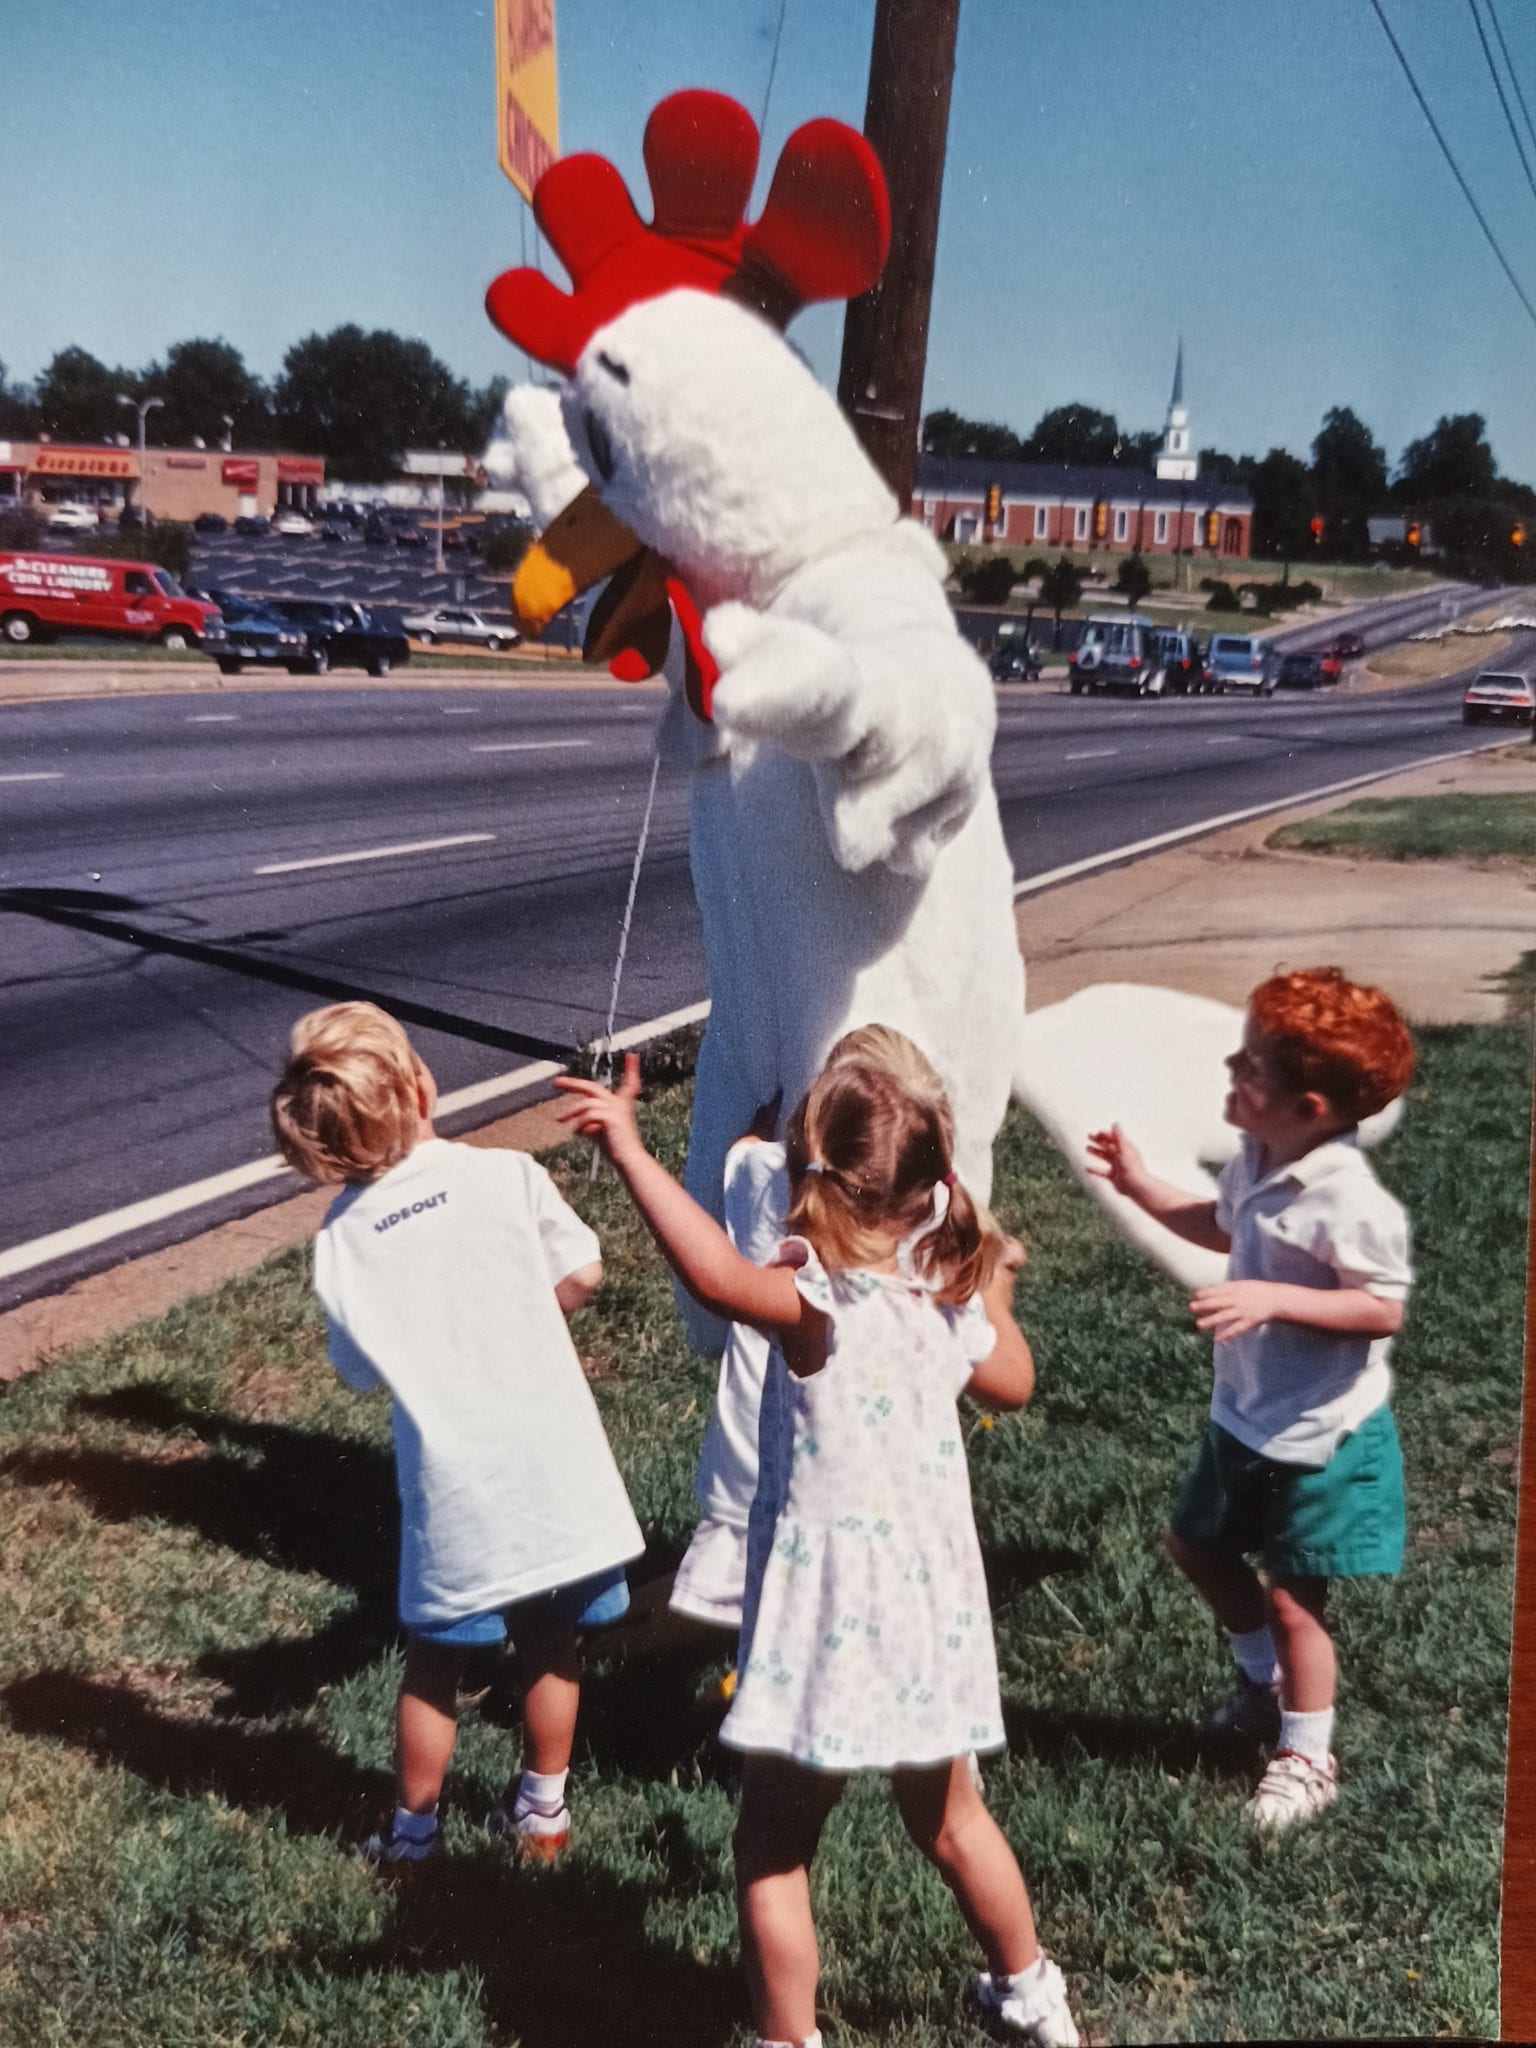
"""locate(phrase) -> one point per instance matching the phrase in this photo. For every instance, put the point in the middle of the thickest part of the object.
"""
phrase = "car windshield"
(1223, 645)
(167, 583)
(1491, 681)
(308, 614)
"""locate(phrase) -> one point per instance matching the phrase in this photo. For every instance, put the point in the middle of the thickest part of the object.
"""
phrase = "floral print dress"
(866, 1635)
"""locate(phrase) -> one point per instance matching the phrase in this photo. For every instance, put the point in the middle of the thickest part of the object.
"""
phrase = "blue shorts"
(587, 1603)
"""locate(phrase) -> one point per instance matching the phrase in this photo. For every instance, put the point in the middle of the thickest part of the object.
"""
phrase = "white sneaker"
(535, 1837)
(1249, 1709)
(1293, 1788)
(1033, 2003)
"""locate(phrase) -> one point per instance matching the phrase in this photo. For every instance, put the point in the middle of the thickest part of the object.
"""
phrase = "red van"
(42, 595)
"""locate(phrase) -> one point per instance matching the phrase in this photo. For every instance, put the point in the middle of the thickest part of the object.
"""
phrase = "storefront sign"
(185, 461)
(243, 472)
(299, 469)
(56, 461)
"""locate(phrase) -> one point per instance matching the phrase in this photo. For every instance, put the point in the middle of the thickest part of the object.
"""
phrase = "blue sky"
(1251, 174)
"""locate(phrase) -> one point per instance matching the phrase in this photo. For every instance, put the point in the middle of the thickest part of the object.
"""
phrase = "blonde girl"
(866, 1637)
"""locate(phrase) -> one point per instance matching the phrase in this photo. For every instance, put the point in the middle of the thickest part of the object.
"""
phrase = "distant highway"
(181, 877)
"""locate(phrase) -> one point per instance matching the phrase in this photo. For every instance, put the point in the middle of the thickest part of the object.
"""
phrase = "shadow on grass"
(563, 1957)
(1055, 1737)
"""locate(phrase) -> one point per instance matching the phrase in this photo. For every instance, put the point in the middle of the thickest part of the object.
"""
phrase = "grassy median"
(197, 1668)
(1499, 826)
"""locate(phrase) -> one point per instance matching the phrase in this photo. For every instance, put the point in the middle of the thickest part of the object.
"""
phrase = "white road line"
(1282, 803)
(526, 746)
(213, 718)
(1224, 739)
(460, 710)
(79, 1237)
(39, 775)
(1093, 754)
(336, 860)
(23, 1258)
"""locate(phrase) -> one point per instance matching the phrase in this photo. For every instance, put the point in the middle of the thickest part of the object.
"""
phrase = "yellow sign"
(527, 91)
(56, 461)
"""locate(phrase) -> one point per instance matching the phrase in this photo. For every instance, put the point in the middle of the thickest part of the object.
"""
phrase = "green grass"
(98, 650)
(197, 1668)
(1494, 827)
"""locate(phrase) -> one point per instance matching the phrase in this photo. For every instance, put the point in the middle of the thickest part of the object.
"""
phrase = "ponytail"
(960, 1254)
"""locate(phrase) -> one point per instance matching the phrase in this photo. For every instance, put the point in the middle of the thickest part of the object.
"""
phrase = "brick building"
(177, 483)
(1052, 505)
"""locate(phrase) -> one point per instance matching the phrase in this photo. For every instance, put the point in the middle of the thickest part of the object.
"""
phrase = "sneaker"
(535, 1837)
(1249, 1709)
(1034, 2004)
(1293, 1788)
(396, 1856)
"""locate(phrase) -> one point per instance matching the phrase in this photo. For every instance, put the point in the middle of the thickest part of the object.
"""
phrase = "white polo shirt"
(1287, 1391)
(756, 1202)
(438, 1281)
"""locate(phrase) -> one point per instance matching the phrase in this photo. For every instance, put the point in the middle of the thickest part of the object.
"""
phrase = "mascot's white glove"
(533, 453)
(897, 723)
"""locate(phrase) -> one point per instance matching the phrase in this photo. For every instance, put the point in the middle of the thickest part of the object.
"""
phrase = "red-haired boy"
(1300, 1466)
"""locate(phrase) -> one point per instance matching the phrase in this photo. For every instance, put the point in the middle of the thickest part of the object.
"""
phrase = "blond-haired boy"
(446, 1273)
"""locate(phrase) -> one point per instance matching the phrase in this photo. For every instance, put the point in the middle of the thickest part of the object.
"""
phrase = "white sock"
(538, 1793)
(1254, 1650)
(1026, 1980)
(810, 2041)
(414, 1827)
(1310, 1735)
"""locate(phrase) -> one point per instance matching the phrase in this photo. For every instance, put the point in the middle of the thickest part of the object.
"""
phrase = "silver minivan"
(1239, 661)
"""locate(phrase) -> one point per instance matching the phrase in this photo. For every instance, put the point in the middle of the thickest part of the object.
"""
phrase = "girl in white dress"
(866, 1637)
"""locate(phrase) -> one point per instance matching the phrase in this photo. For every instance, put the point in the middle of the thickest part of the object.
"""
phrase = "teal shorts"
(1345, 1520)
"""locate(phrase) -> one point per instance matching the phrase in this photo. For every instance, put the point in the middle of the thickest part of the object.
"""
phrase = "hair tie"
(814, 1166)
(949, 1179)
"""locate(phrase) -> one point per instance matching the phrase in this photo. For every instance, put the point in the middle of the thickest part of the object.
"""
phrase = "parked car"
(296, 525)
(73, 518)
(1500, 694)
(1238, 661)
(210, 522)
(1303, 672)
(343, 635)
(1182, 659)
(255, 633)
(253, 525)
(451, 622)
(1014, 661)
(1347, 646)
(376, 531)
(335, 530)
(42, 595)
(1116, 653)
(408, 537)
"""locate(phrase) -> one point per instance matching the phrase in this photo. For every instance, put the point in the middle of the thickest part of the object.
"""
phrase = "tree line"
(1446, 481)
(359, 399)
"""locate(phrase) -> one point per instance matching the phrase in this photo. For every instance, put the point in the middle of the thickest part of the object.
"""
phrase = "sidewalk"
(40, 682)
(1214, 917)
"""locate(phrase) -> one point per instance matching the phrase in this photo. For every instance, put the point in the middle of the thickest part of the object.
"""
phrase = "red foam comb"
(824, 232)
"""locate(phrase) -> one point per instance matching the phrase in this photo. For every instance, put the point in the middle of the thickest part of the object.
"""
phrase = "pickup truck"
(342, 635)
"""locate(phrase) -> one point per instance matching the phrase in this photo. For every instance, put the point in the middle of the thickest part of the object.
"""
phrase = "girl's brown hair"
(867, 1147)
(345, 1107)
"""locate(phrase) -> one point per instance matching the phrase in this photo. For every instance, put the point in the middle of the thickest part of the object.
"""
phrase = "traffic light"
(1317, 526)
(1100, 520)
(1212, 528)
(994, 504)
(1517, 536)
(1411, 536)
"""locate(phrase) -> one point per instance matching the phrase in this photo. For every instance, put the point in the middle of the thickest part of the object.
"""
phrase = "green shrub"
(1034, 569)
(167, 543)
(503, 545)
(22, 526)
(1223, 597)
(990, 581)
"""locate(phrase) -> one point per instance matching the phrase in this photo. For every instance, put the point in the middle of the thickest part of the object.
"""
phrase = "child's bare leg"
(948, 1820)
(1298, 1619)
(426, 1723)
(784, 1806)
(1230, 1588)
(551, 1674)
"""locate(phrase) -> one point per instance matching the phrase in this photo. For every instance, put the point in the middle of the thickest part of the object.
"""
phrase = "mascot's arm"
(869, 683)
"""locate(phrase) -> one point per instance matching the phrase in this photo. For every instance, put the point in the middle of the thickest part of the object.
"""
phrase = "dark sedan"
(1303, 672)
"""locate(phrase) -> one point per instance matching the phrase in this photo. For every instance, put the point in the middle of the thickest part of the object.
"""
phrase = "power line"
(1503, 102)
(1445, 151)
(1509, 67)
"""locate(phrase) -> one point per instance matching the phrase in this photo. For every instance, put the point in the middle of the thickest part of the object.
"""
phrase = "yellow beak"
(579, 548)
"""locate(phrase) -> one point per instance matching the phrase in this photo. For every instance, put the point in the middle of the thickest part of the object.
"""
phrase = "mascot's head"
(707, 440)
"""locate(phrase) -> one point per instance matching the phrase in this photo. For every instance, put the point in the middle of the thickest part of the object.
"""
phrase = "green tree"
(1134, 578)
(361, 400)
(202, 383)
(1453, 460)
(1349, 479)
(946, 433)
(1282, 504)
(18, 412)
(77, 397)
(1060, 588)
(1074, 433)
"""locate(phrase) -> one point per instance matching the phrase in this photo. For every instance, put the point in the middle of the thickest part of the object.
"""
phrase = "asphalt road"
(181, 878)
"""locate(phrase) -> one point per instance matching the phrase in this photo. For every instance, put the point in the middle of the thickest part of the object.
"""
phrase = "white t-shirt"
(1287, 1391)
(756, 1203)
(438, 1281)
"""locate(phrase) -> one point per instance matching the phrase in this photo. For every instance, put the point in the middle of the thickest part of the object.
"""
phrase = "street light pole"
(229, 430)
(143, 407)
(441, 452)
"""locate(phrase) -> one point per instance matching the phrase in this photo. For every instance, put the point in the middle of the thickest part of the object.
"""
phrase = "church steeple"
(1177, 461)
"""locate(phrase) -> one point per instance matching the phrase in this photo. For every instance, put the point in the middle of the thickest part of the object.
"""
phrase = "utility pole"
(885, 332)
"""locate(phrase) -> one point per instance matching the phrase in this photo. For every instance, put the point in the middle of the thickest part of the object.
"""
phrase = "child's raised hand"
(606, 1114)
(1234, 1307)
(1112, 1157)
